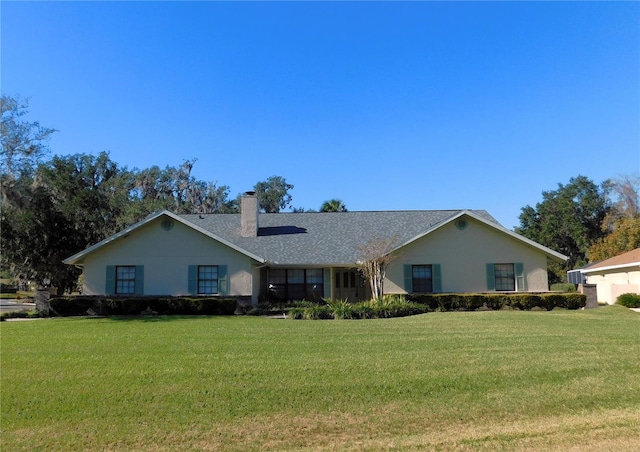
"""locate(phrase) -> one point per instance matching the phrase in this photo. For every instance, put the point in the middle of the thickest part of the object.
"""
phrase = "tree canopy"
(273, 194)
(24, 143)
(333, 205)
(568, 220)
(624, 237)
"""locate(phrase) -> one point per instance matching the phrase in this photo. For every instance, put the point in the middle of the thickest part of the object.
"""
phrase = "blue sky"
(385, 105)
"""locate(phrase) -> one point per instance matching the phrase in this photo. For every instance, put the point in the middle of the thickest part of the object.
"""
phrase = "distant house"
(614, 276)
(311, 255)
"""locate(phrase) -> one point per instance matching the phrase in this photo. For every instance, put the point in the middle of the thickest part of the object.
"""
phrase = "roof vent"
(461, 223)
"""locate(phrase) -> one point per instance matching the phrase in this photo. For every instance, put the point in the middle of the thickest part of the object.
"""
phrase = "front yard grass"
(445, 381)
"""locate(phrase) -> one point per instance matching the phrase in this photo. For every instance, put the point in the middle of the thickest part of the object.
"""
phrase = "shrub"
(7, 288)
(574, 301)
(552, 300)
(341, 309)
(21, 315)
(318, 312)
(630, 300)
(363, 311)
(563, 287)
(123, 306)
(386, 307)
(70, 306)
(496, 301)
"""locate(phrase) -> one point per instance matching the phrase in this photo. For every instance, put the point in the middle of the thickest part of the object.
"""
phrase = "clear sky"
(385, 105)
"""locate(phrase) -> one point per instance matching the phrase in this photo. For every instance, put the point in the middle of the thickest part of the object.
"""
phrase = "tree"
(54, 209)
(72, 202)
(567, 220)
(36, 240)
(175, 189)
(333, 205)
(622, 223)
(375, 257)
(24, 144)
(624, 237)
(623, 193)
(273, 194)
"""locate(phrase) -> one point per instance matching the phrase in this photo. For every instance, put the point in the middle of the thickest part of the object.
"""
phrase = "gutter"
(612, 267)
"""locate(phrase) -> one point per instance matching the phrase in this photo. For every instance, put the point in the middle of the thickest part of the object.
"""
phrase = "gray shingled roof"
(315, 238)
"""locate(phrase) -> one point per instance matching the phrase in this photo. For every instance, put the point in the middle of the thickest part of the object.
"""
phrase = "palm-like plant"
(333, 205)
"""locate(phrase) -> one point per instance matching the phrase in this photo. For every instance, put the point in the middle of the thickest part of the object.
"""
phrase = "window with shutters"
(505, 279)
(422, 278)
(207, 279)
(125, 282)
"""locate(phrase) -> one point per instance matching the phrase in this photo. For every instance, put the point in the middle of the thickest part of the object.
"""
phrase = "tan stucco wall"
(463, 255)
(613, 283)
(166, 256)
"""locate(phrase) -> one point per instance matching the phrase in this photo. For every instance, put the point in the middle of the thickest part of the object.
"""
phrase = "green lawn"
(444, 381)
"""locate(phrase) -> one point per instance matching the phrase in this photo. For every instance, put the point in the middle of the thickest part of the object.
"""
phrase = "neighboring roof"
(625, 260)
(322, 238)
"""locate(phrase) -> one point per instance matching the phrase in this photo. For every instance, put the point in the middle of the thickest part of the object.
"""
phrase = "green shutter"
(327, 283)
(436, 274)
(408, 278)
(491, 277)
(139, 280)
(521, 283)
(193, 279)
(223, 283)
(110, 280)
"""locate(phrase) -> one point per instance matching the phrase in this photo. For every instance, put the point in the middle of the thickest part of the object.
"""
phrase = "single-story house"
(615, 276)
(309, 255)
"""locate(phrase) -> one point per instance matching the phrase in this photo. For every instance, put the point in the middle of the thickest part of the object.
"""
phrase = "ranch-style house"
(296, 256)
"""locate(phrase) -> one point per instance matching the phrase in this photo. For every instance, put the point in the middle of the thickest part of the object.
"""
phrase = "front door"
(349, 285)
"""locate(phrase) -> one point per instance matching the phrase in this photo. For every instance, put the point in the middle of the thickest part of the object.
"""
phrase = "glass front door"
(349, 285)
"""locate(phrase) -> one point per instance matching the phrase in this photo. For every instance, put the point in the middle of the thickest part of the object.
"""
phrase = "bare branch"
(375, 256)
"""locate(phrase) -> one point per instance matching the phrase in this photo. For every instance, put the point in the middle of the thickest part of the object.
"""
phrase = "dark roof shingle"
(321, 238)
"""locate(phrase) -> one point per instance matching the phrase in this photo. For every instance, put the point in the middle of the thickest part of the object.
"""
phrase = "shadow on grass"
(159, 318)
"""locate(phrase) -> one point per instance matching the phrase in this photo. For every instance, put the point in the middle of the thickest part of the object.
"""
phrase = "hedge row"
(20, 315)
(389, 306)
(79, 305)
(521, 301)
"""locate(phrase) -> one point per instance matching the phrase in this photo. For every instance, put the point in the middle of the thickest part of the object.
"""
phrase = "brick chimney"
(249, 214)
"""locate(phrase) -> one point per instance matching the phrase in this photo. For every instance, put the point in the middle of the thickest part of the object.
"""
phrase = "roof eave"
(554, 255)
(611, 267)
(77, 258)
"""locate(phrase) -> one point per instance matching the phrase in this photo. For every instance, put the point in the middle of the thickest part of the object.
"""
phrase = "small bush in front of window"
(552, 300)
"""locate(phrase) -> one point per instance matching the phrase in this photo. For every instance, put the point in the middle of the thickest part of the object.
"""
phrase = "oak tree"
(273, 194)
(567, 220)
